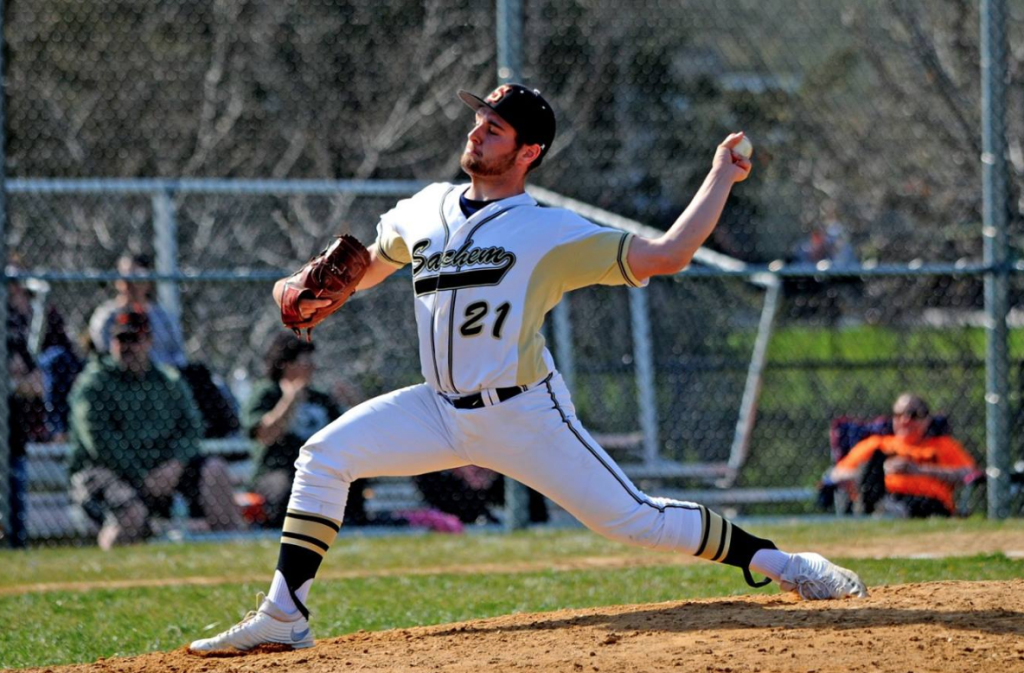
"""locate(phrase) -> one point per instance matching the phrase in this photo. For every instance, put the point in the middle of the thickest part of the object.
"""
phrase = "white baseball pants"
(534, 438)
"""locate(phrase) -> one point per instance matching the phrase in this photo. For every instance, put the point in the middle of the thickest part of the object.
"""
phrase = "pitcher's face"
(491, 146)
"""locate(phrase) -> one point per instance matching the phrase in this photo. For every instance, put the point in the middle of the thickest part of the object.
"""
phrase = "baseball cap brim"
(473, 101)
(476, 102)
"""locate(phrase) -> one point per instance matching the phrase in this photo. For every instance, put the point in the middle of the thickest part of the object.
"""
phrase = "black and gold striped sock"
(305, 539)
(725, 542)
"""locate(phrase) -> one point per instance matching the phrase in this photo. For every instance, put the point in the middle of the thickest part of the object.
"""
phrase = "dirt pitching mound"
(939, 626)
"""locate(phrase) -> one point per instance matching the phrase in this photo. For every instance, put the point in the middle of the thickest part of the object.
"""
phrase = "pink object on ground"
(435, 520)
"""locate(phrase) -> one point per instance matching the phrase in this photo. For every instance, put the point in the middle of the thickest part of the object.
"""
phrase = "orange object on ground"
(251, 506)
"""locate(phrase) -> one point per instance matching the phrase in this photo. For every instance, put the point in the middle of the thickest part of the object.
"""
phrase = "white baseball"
(744, 148)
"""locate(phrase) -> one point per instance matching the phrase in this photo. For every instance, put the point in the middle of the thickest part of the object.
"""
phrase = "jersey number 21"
(475, 315)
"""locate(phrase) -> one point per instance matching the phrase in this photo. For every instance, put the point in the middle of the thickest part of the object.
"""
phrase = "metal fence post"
(643, 358)
(509, 27)
(752, 387)
(562, 321)
(6, 492)
(994, 235)
(165, 243)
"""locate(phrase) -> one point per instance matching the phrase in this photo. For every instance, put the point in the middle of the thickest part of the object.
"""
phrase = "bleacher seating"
(51, 514)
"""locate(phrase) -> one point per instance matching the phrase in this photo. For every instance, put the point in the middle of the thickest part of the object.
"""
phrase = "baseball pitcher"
(487, 265)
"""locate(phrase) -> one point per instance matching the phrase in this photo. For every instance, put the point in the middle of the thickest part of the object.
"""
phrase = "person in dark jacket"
(59, 364)
(282, 412)
(25, 406)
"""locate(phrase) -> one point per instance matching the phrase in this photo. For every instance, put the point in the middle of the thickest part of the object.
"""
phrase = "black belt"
(476, 400)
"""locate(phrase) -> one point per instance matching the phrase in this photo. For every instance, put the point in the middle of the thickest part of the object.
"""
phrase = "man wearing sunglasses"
(910, 473)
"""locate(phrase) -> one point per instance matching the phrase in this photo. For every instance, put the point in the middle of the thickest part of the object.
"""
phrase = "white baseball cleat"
(269, 625)
(815, 578)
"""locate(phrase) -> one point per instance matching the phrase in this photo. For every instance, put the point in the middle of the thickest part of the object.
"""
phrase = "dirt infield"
(941, 626)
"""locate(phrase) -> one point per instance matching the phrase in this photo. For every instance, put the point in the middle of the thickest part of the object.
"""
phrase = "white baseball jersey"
(483, 284)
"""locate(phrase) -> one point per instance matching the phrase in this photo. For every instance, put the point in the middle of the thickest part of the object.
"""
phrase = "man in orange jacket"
(915, 473)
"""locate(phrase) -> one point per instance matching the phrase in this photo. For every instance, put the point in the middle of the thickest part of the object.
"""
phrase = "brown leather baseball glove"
(333, 274)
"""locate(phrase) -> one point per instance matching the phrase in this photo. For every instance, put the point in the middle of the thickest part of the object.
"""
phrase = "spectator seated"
(846, 432)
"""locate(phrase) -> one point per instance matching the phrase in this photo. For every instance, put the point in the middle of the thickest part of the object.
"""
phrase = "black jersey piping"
(641, 500)
(433, 306)
(455, 294)
(385, 255)
(621, 257)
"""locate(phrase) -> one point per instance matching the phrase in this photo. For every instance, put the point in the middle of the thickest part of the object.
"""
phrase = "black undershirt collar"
(470, 206)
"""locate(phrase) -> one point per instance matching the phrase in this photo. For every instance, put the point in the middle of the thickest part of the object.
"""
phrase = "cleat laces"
(249, 616)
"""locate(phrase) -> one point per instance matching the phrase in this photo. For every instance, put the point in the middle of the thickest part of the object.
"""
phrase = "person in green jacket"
(135, 431)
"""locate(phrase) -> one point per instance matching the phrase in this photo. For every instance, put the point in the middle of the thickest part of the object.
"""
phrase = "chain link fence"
(865, 204)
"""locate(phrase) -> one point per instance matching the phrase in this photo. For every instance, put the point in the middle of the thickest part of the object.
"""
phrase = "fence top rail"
(212, 275)
(211, 186)
(209, 447)
(867, 270)
(755, 273)
(708, 262)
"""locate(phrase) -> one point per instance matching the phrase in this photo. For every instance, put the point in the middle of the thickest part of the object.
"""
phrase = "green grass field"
(398, 582)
